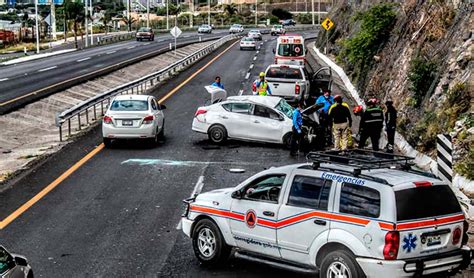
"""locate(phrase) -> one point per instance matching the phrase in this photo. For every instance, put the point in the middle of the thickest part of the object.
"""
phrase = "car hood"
(215, 195)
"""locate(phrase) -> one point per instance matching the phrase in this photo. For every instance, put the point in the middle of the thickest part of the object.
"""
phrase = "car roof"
(264, 100)
(132, 97)
(394, 177)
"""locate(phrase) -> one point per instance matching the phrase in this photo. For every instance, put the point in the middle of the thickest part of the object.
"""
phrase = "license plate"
(127, 122)
(433, 240)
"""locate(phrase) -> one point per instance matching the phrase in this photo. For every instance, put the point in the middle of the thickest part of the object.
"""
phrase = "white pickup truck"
(288, 81)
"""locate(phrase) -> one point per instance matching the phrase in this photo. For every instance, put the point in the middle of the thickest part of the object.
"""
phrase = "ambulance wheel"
(217, 134)
(340, 263)
(208, 244)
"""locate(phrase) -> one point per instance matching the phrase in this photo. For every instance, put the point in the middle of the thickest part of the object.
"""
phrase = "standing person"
(341, 121)
(217, 83)
(326, 100)
(297, 133)
(390, 124)
(371, 124)
(261, 87)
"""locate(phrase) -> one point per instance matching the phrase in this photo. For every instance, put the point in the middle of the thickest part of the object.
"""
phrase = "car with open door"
(13, 265)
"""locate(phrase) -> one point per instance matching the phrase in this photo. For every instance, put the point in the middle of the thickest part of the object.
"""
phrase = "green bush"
(282, 14)
(422, 74)
(376, 24)
(305, 18)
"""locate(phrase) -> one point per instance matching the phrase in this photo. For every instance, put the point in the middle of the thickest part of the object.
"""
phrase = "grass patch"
(19, 47)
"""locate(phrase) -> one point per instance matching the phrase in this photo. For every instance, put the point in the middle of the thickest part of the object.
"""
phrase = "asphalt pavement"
(117, 215)
(24, 82)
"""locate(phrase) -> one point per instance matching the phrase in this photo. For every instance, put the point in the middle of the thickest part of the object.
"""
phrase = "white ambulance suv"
(361, 214)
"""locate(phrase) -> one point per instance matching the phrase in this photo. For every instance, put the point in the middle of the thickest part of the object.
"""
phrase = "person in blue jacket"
(297, 133)
(217, 83)
(327, 100)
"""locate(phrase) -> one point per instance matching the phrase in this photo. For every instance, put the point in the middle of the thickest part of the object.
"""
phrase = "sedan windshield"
(285, 108)
(129, 105)
(144, 29)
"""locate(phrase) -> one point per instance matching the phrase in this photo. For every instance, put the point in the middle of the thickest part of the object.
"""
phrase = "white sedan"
(133, 117)
(248, 43)
(253, 118)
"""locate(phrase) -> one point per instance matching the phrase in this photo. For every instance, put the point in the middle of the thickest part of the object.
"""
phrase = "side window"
(153, 104)
(242, 108)
(227, 107)
(359, 200)
(5, 260)
(265, 188)
(262, 111)
(310, 192)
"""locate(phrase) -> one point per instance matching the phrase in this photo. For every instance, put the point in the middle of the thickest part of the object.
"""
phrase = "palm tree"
(106, 17)
(74, 11)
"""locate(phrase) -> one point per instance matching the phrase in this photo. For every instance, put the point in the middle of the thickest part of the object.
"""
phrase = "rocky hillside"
(420, 54)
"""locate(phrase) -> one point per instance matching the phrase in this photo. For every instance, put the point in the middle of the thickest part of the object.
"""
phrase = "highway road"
(115, 212)
(24, 82)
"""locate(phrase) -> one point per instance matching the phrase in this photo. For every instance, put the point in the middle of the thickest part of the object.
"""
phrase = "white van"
(290, 50)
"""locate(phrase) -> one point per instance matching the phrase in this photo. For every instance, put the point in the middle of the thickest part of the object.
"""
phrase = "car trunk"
(284, 87)
(128, 119)
(429, 219)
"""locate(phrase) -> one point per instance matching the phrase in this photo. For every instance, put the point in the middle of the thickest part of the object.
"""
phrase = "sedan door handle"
(224, 117)
(256, 121)
(268, 213)
(320, 222)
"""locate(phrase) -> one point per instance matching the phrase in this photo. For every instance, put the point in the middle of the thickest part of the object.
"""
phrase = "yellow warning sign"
(327, 24)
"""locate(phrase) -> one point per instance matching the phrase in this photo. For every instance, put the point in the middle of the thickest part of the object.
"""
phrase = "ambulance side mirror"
(236, 195)
(273, 50)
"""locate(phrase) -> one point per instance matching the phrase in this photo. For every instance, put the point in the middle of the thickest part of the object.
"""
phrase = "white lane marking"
(3, 79)
(50, 68)
(197, 190)
(110, 52)
(147, 43)
(130, 47)
(83, 59)
(258, 51)
(251, 66)
(248, 75)
(255, 58)
(241, 92)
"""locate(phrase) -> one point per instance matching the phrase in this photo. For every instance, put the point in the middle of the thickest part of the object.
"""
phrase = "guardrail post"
(79, 120)
(60, 132)
(102, 108)
(69, 127)
(95, 113)
(87, 115)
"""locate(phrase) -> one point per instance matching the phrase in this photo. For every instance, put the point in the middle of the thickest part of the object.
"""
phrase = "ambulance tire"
(220, 250)
(341, 260)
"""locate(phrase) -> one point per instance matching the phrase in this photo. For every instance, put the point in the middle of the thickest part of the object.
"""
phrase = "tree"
(74, 11)
(106, 18)
(282, 14)
(230, 9)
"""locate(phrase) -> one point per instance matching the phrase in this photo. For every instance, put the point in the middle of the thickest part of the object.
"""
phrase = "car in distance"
(251, 118)
(288, 22)
(342, 215)
(13, 265)
(248, 43)
(133, 117)
(145, 33)
(290, 82)
(236, 28)
(255, 34)
(277, 30)
(205, 29)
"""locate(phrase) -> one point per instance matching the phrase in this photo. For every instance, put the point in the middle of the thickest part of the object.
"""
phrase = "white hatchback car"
(133, 117)
(353, 214)
(253, 118)
(248, 43)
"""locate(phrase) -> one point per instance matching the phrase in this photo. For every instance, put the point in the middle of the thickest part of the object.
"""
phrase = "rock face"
(424, 64)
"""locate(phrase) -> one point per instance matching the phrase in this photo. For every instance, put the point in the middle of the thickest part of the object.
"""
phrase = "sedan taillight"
(200, 112)
(107, 120)
(148, 119)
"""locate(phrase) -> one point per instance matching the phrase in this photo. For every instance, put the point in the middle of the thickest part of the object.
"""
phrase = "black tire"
(287, 140)
(30, 274)
(343, 260)
(161, 135)
(221, 250)
(108, 142)
(153, 142)
(217, 134)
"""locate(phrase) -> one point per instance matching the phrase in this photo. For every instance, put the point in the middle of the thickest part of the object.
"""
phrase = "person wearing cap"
(217, 83)
(297, 132)
(390, 124)
(261, 87)
(326, 100)
(371, 124)
(340, 117)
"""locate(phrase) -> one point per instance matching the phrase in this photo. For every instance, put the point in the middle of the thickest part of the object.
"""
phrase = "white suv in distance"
(252, 118)
(277, 30)
(205, 29)
(236, 28)
(356, 214)
(133, 117)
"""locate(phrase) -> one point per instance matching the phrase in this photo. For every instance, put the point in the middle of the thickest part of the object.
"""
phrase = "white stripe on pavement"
(251, 66)
(197, 190)
(255, 58)
(46, 69)
(248, 75)
(3, 79)
(130, 47)
(110, 52)
(83, 59)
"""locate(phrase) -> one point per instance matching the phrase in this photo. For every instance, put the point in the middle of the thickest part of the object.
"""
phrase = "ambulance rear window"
(426, 202)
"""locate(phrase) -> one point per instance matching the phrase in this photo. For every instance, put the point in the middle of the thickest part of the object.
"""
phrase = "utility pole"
(147, 13)
(129, 27)
(209, 12)
(312, 11)
(53, 20)
(191, 8)
(92, 22)
(167, 16)
(86, 12)
(256, 13)
(319, 11)
(37, 28)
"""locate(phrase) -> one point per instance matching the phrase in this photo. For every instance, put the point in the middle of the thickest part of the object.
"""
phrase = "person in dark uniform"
(297, 134)
(371, 124)
(390, 124)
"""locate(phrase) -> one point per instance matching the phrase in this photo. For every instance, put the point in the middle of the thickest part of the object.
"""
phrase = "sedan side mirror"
(21, 261)
(236, 195)
(162, 107)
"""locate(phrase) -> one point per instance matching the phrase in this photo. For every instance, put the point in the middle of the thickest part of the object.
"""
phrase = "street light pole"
(92, 23)
(209, 12)
(167, 16)
(256, 13)
(312, 11)
(37, 28)
(147, 13)
(86, 12)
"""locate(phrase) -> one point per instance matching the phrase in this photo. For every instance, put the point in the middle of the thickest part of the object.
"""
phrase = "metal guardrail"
(115, 38)
(134, 87)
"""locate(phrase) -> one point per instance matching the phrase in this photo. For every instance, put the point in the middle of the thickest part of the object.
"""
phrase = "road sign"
(327, 24)
(175, 32)
(48, 2)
